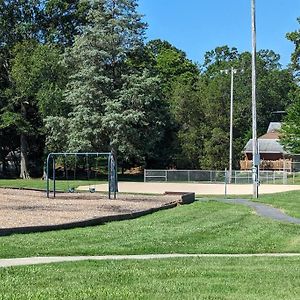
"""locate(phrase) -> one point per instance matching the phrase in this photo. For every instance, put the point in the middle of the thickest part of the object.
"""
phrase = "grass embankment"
(194, 278)
(61, 185)
(202, 227)
(39, 184)
(289, 202)
(294, 179)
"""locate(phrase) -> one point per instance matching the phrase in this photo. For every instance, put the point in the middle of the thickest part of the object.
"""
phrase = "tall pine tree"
(111, 103)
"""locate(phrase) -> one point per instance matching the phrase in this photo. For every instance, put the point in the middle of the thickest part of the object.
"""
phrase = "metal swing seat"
(71, 190)
(92, 190)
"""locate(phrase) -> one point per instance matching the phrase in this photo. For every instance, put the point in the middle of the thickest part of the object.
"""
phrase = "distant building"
(272, 154)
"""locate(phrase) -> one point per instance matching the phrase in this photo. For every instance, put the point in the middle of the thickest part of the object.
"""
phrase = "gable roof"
(274, 127)
(265, 146)
(269, 142)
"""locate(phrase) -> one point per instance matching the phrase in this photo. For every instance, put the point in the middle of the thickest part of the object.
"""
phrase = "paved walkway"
(264, 210)
(11, 262)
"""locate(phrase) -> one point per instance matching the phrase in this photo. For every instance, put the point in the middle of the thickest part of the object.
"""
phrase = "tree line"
(79, 76)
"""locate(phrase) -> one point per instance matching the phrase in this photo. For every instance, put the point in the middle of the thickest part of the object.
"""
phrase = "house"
(272, 154)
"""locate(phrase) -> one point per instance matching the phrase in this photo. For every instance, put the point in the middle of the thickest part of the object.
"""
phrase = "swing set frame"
(111, 167)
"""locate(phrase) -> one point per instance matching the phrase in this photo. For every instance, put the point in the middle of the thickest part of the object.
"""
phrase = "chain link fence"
(184, 176)
(296, 166)
(213, 176)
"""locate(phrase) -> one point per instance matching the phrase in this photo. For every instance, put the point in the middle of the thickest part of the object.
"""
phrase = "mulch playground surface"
(33, 210)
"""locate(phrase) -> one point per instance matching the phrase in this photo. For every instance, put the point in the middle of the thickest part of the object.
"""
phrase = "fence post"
(285, 177)
(225, 183)
(166, 175)
(293, 177)
(145, 175)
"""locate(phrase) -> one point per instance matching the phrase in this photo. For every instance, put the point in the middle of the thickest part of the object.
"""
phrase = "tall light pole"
(233, 71)
(255, 155)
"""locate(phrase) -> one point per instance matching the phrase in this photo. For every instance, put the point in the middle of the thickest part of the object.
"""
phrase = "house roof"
(274, 127)
(269, 142)
(270, 136)
(266, 146)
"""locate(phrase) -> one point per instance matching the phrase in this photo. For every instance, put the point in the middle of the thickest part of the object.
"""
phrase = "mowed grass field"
(61, 185)
(288, 202)
(193, 278)
(202, 227)
(39, 184)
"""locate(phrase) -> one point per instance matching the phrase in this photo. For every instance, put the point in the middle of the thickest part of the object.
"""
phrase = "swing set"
(111, 170)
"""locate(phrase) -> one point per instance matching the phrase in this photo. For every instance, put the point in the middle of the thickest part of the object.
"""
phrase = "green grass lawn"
(289, 202)
(202, 227)
(193, 278)
(61, 185)
(294, 179)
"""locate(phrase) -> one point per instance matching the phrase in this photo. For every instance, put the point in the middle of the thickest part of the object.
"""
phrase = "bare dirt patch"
(23, 208)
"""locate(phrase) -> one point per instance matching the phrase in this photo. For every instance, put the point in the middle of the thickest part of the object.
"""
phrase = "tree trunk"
(24, 174)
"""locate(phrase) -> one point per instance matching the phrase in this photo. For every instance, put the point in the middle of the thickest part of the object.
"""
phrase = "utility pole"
(233, 71)
(255, 155)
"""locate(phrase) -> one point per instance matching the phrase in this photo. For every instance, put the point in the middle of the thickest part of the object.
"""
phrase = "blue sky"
(197, 26)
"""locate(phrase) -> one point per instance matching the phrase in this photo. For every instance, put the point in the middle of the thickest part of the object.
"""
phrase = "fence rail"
(273, 165)
(215, 176)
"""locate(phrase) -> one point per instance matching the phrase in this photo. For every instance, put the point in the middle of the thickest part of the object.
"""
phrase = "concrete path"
(263, 210)
(198, 188)
(11, 262)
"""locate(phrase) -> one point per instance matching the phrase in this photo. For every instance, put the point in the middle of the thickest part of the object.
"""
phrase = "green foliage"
(37, 75)
(219, 58)
(188, 113)
(135, 120)
(291, 127)
(78, 75)
(170, 63)
(215, 157)
(9, 118)
(31, 77)
(112, 105)
(295, 58)
(37, 81)
(205, 110)
(178, 77)
(62, 20)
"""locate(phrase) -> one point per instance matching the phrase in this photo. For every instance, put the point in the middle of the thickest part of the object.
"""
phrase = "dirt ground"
(22, 208)
(198, 188)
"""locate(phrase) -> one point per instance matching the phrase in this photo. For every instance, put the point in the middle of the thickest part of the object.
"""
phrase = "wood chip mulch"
(24, 208)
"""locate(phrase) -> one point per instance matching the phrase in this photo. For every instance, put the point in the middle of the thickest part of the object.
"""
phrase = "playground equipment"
(111, 170)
